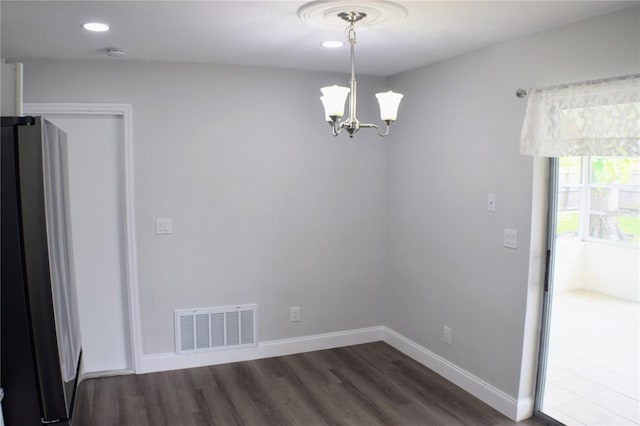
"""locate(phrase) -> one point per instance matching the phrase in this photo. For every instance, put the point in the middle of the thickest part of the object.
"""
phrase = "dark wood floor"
(370, 384)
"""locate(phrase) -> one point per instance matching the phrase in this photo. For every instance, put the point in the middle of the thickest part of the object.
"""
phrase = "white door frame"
(125, 112)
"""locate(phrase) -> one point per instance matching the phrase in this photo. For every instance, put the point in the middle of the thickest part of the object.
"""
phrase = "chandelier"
(333, 97)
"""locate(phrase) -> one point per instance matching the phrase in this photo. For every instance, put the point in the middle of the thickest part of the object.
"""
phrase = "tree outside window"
(599, 199)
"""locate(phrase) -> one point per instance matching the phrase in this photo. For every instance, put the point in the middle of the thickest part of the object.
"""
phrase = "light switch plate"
(164, 226)
(510, 238)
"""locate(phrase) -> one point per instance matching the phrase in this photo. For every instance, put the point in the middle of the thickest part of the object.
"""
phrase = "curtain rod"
(522, 93)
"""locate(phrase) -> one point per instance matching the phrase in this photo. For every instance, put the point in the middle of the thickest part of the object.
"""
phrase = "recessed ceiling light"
(332, 44)
(96, 26)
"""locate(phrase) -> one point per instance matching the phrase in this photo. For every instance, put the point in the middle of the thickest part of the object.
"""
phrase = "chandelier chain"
(351, 34)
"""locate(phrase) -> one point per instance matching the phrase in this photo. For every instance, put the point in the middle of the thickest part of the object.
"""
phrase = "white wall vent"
(209, 329)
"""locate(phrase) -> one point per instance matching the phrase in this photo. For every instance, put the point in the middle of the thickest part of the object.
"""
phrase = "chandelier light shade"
(389, 103)
(334, 97)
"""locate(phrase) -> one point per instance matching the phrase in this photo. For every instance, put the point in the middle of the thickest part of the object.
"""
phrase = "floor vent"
(209, 329)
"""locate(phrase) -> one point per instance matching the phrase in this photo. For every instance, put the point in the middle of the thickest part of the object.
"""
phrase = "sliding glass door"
(590, 349)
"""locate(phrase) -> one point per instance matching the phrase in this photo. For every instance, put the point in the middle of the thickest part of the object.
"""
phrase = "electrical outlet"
(294, 314)
(491, 203)
(446, 335)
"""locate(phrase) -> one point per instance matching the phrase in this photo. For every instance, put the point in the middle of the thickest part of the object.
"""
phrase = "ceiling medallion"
(325, 14)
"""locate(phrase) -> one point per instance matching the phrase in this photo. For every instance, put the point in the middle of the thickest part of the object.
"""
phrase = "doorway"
(102, 230)
(590, 351)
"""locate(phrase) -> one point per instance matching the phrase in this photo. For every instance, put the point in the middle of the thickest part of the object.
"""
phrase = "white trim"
(124, 111)
(108, 373)
(19, 88)
(524, 409)
(78, 108)
(477, 387)
(173, 361)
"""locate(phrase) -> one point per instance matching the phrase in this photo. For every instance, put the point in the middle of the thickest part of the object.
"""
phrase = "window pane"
(629, 229)
(614, 199)
(569, 180)
(570, 171)
(629, 200)
(568, 198)
(615, 228)
(567, 224)
(615, 170)
(615, 213)
(604, 200)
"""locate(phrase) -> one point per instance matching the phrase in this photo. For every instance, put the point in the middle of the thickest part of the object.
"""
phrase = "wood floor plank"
(315, 365)
(368, 376)
(218, 406)
(440, 393)
(258, 392)
(244, 406)
(370, 384)
(105, 401)
(387, 392)
(320, 396)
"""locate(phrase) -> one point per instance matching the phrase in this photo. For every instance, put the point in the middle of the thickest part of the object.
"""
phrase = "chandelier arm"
(335, 127)
(375, 126)
(386, 131)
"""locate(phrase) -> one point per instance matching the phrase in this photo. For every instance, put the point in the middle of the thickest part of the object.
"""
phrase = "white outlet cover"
(510, 238)
(294, 314)
(491, 203)
(446, 335)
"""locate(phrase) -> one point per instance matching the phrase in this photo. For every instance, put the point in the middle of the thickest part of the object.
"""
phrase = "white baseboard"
(482, 390)
(507, 405)
(173, 361)
(109, 373)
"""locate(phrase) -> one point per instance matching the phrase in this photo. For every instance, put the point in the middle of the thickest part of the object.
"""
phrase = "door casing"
(131, 282)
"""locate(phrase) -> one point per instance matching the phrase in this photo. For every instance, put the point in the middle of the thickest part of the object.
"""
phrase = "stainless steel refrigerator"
(40, 340)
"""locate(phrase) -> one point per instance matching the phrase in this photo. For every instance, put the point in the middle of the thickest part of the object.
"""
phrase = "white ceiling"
(269, 33)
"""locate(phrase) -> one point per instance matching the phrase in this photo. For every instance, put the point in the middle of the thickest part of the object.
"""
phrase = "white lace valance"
(592, 118)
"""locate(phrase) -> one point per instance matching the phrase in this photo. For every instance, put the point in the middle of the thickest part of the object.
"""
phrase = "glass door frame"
(547, 298)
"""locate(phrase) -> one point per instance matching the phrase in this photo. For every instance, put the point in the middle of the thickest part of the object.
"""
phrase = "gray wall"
(267, 206)
(456, 141)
